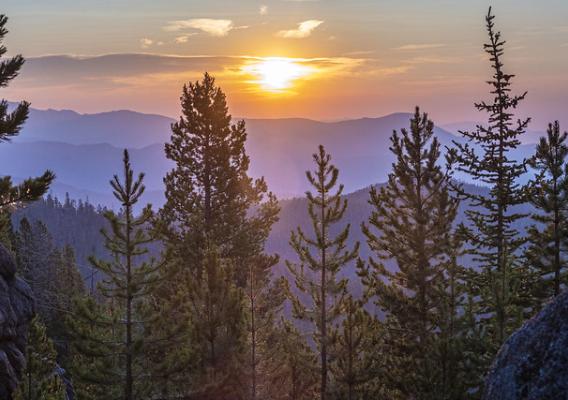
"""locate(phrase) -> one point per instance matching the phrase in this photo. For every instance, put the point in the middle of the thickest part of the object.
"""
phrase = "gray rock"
(16, 312)
(533, 362)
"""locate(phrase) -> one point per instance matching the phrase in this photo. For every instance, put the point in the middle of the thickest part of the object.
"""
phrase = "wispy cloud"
(213, 27)
(303, 30)
(145, 43)
(263, 10)
(434, 60)
(387, 71)
(420, 46)
(184, 38)
(120, 70)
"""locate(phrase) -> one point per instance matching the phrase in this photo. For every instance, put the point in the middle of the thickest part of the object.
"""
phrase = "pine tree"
(171, 360)
(69, 286)
(11, 123)
(324, 256)
(37, 258)
(452, 362)
(40, 380)
(264, 298)
(53, 277)
(209, 195)
(218, 329)
(127, 279)
(293, 373)
(549, 195)
(215, 221)
(96, 368)
(411, 224)
(492, 218)
(352, 345)
(69, 280)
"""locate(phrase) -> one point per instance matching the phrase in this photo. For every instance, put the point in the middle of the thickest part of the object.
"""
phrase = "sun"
(276, 74)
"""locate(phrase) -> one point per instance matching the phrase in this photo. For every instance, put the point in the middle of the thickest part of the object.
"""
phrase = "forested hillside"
(78, 223)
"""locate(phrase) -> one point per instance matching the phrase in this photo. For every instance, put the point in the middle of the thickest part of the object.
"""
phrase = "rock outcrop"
(533, 362)
(16, 312)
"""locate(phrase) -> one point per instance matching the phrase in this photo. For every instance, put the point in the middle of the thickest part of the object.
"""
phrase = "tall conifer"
(321, 260)
(492, 218)
(127, 280)
(549, 195)
(209, 195)
(411, 223)
(215, 221)
(11, 123)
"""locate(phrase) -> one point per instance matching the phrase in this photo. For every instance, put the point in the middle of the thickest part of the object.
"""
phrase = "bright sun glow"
(277, 74)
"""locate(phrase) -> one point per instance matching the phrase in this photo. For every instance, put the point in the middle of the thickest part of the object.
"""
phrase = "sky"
(325, 60)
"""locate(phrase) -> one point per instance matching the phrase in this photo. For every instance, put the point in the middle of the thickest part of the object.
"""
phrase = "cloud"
(145, 43)
(119, 70)
(303, 30)
(422, 46)
(434, 60)
(386, 71)
(263, 10)
(184, 38)
(213, 27)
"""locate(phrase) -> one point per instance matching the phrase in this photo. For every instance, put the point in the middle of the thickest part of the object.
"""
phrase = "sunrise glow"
(277, 74)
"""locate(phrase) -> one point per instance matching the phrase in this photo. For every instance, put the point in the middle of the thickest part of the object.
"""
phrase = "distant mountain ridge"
(85, 150)
(121, 128)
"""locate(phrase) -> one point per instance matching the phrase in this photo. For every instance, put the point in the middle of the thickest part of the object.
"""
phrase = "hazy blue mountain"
(85, 150)
(118, 128)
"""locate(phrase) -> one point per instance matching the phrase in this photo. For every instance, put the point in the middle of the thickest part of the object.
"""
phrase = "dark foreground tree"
(293, 372)
(353, 364)
(500, 282)
(321, 260)
(11, 122)
(97, 335)
(128, 279)
(493, 235)
(264, 298)
(215, 222)
(411, 223)
(210, 199)
(549, 195)
(40, 380)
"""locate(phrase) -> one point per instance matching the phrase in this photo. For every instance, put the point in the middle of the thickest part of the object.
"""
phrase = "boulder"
(16, 313)
(533, 362)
